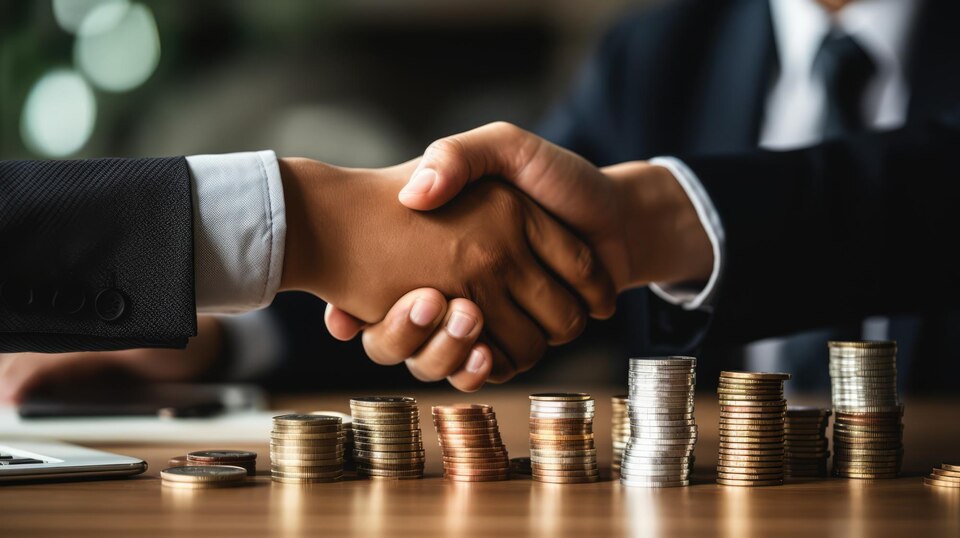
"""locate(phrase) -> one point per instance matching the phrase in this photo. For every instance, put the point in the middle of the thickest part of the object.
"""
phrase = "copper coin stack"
(620, 429)
(562, 447)
(236, 458)
(805, 445)
(752, 410)
(868, 416)
(386, 437)
(306, 449)
(663, 432)
(347, 422)
(947, 476)
(470, 443)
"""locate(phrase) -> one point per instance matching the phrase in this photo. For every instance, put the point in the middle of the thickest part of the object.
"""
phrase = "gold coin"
(934, 481)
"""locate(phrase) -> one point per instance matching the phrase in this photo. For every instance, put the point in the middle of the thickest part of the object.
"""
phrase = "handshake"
(465, 263)
(468, 262)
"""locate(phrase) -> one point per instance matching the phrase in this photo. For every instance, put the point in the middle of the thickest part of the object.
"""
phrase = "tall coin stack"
(752, 410)
(663, 432)
(306, 449)
(868, 426)
(805, 442)
(620, 429)
(562, 447)
(386, 437)
(470, 443)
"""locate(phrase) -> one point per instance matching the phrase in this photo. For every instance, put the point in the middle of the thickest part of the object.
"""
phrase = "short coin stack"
(663, 431)
(306, 449)
(347, 422)
(386, 437)
(562, 447)
(236, 458)
(805, 442)
(947, 476)
(470, 442)
(203, 476)
(620, 429)
(752, 410)
(868, 426)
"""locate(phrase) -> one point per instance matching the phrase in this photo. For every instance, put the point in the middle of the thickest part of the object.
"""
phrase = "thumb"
(450, 163)
(341, 325)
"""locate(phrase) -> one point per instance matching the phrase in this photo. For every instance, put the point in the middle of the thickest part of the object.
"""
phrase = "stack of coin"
(521, 466)
(805, 442)
(347, 436)
(386, 437)
(620, 429)
(867, 427)
(752, 409)
(947, 476)
(470, 443)
(236, 458)
(203, 476)
(562, 447)
(306, 448)
(663, 431)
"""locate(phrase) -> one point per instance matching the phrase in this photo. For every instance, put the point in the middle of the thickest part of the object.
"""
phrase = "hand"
(22, 372)
(636, 216)
(351, 243)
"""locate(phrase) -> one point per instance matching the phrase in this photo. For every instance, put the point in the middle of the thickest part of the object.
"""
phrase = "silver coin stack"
(347, 436)
(663, 431)
(868, 415)
(619, 429)
(306, 449)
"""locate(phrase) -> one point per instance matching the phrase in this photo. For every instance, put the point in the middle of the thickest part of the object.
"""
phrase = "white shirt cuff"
(255, 342)
(684, 295)
(239, 230)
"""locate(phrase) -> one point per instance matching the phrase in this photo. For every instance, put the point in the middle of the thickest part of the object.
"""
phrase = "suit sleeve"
(95, 255)
(836, 232)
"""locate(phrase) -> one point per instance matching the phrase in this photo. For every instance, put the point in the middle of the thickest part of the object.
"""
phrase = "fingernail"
(460, 325)
(476, 361)
(421, 182)
(424, 312)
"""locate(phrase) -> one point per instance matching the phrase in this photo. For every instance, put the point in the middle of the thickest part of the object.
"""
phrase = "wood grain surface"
(520, 507)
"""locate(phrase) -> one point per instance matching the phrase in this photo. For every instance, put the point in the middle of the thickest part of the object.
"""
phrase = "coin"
(561, 439)
(204, 475)
(177, 461)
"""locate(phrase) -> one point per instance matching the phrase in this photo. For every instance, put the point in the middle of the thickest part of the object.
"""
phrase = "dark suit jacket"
(690, 78)
(95, 255)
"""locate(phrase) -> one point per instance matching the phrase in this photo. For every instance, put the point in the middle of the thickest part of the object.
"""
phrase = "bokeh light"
(59, 114)
(71, 14)
(121, 56)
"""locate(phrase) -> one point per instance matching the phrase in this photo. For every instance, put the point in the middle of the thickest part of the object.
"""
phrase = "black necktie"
(845, 70)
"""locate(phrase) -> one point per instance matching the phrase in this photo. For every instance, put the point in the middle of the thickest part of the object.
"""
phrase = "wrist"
(666, 241)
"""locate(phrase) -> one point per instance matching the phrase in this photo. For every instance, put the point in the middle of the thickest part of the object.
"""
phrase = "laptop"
(55, 461)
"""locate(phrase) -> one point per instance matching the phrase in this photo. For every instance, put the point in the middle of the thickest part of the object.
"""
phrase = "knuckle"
(586, 264)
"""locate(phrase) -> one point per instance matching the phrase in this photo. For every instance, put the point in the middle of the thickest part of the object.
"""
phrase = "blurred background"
(355, 83)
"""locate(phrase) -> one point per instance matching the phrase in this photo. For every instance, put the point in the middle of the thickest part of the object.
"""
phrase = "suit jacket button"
(69, 301)
(110, 304)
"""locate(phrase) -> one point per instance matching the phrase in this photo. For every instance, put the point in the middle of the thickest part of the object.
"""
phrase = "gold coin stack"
(203, 476)
(470, 443)
(805, 442)
(620, 429)
(947, 476)
(386, 437)
(868, 425)
(306, 449)
(562, 447)
(236, 458)
(752, 410)
(347, 422)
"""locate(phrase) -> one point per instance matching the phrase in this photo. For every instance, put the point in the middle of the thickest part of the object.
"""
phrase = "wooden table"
(433, 506)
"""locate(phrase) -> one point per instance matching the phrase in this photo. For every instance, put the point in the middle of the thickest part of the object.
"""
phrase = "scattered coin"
(203, 476)
(236, 458)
